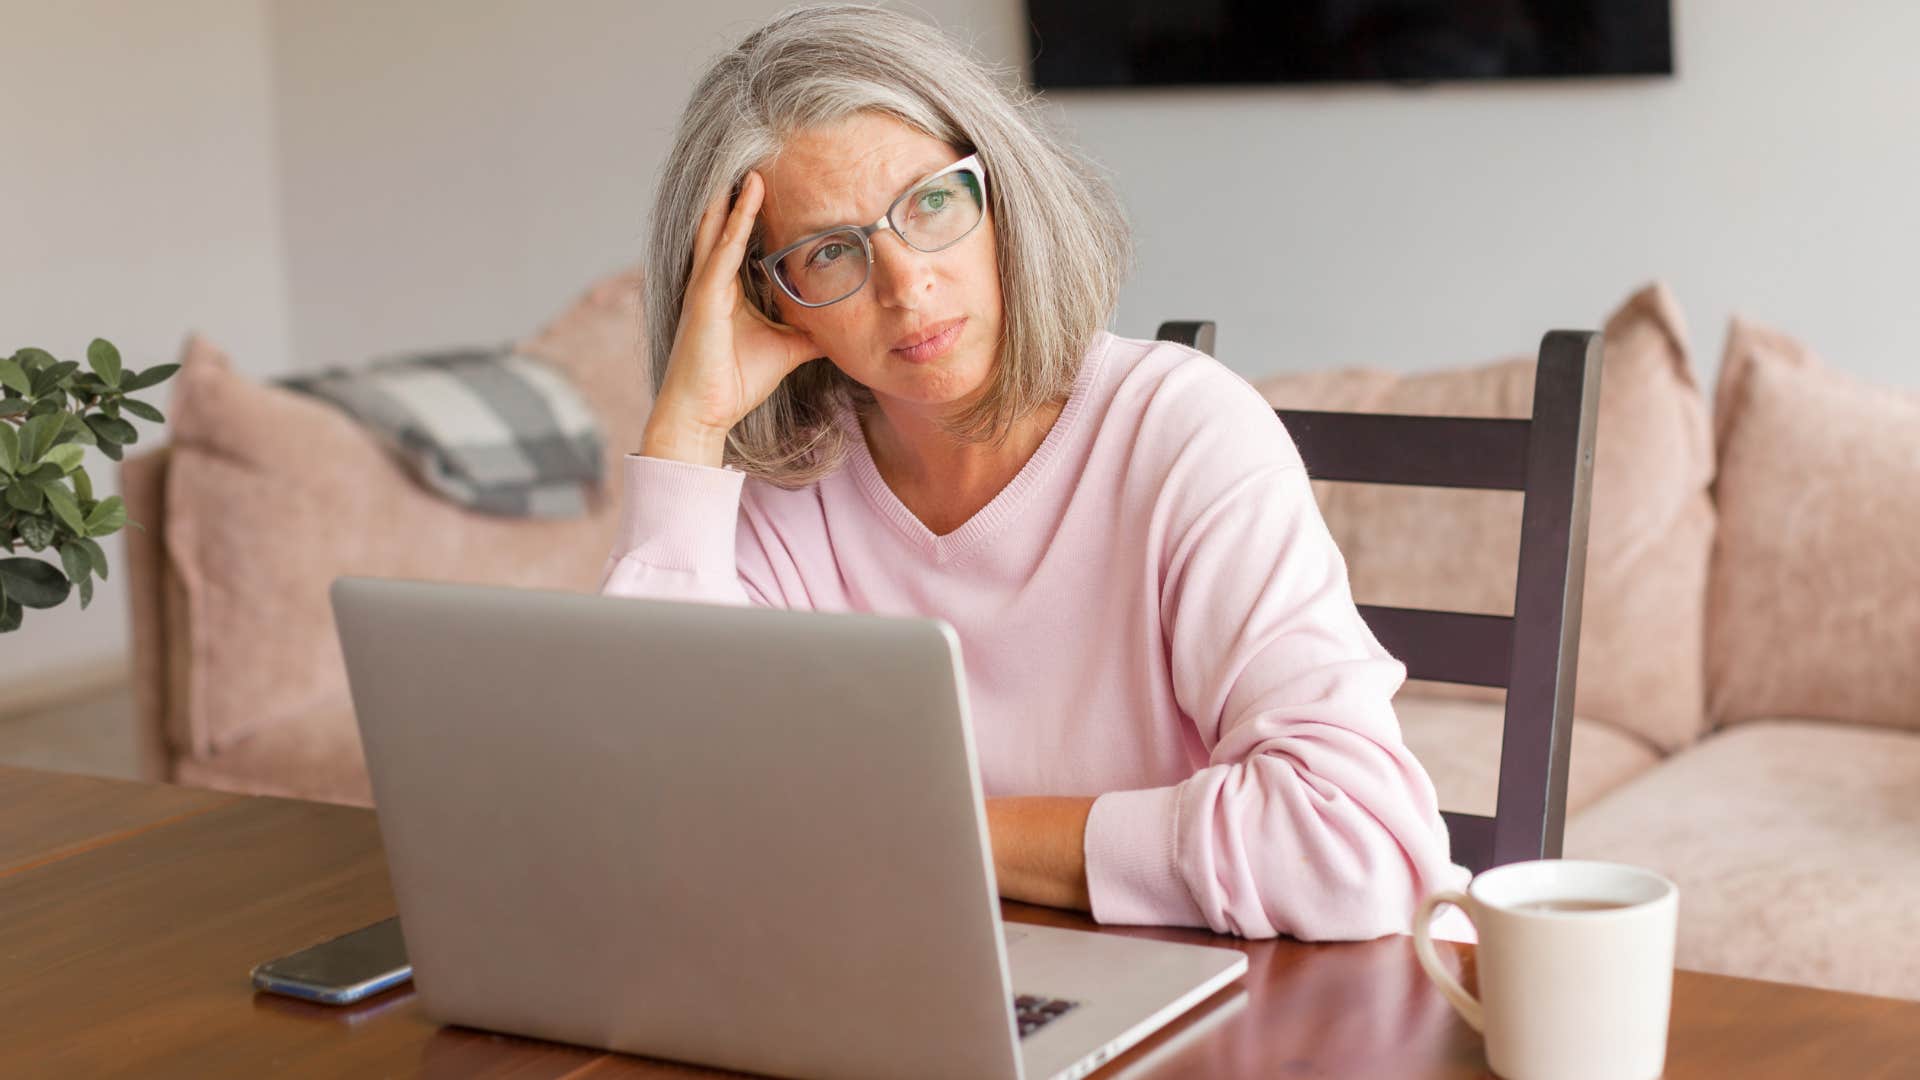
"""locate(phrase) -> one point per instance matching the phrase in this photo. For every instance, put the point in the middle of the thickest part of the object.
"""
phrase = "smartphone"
(348, 968)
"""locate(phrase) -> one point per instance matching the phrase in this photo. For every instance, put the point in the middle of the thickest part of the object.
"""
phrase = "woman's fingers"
(740, 222)
(796, 346)
(723, 236)
(707, 232)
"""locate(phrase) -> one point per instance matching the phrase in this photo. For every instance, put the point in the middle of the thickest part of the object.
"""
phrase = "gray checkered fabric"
(490, 429)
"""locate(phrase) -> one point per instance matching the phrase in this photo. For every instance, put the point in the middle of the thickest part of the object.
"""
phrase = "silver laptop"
(746, 838)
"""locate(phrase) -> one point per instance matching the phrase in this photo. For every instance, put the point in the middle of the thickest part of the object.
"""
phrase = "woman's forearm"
(1039, 848)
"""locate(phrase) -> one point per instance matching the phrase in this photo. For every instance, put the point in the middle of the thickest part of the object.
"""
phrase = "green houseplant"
(50, 412)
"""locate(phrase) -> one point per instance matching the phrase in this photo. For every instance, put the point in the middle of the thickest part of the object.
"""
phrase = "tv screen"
(1082, 43)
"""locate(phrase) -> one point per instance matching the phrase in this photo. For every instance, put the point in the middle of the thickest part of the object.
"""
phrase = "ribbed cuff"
(1133, 869)
(680, 516)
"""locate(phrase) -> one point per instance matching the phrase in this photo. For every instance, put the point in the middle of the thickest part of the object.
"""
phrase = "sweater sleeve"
(681, 537)
(1311, 818)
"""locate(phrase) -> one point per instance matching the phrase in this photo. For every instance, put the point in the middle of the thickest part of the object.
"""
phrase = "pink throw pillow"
(271, 494)
(1811, 607)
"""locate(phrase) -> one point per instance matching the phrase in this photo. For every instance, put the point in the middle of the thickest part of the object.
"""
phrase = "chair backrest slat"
(1471, 836)
(1445, 646)
(1425, 451)
(1534, 652)
(1546, 599)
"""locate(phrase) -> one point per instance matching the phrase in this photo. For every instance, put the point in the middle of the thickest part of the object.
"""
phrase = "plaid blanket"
(490, 429)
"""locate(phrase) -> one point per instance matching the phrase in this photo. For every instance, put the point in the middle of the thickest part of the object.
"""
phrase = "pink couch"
(263, 497)
(1748, 705)
(1748, 714)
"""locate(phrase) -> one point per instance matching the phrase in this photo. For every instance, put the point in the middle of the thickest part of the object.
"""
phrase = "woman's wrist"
(672, 439)
(1039, 849)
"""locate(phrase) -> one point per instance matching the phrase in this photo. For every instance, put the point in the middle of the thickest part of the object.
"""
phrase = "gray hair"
(1061, 238)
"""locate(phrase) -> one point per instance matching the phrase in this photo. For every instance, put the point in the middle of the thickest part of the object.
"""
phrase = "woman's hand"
(727, 357)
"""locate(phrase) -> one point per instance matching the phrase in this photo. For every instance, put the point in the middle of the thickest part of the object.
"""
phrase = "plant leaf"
(96, 555)
(9, 617)
(152, 376)
(86, 592)
(74, 558)
(9, 448)
(79, 430)
(33, 359)
(112, 430)
(67, 511)
(107, 517)
(14, 406)
(104, 359)
(62, 369)
(33, 583)
(66, 455)
(38, 532)
(82, 484)
(143, 410)
(36, 438)
(112, 450)
(52, 376)
(46, 472)
(24, 494)
(13, 376)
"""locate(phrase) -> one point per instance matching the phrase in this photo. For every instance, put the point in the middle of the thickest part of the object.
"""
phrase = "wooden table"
(130, 914)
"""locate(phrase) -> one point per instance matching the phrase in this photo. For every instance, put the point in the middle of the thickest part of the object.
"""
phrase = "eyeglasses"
(936, 212)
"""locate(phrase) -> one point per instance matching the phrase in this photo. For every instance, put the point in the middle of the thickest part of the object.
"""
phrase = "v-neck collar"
(976, 530)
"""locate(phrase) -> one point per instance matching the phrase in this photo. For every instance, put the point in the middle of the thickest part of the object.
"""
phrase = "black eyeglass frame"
(769, 264)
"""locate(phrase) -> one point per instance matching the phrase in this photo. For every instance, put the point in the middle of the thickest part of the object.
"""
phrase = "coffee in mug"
(1575, 964)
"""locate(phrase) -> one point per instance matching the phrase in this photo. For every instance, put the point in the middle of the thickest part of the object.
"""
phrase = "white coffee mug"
(1575, 966)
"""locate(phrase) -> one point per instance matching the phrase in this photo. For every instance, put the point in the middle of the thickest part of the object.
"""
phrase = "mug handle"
(1464, 1003)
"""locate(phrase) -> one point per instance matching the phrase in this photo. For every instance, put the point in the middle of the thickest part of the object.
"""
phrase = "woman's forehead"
(847, 174)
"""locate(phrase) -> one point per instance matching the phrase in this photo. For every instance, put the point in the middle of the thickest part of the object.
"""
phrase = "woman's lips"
(934, 347)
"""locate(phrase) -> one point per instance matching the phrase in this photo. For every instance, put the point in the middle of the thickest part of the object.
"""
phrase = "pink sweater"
(1152, 612)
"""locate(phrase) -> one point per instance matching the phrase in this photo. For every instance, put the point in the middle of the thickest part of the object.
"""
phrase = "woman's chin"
(931, 389)
(947, 382)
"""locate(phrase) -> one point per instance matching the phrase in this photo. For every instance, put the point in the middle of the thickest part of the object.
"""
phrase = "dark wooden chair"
(1534, 652)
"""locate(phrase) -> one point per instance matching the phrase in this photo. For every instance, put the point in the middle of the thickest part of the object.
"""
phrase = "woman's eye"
(826, 253)
(935, 201)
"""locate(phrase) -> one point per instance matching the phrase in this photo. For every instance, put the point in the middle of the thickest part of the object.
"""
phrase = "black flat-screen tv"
(1086, 43)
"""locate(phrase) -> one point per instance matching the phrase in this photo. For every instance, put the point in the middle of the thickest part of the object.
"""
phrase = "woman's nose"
(901, 275)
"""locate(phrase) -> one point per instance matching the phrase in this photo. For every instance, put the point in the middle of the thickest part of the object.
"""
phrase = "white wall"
(1774, 174)
(138, 201)
(455, 174)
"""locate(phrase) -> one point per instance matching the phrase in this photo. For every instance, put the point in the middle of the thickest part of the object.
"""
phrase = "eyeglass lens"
(932, 216)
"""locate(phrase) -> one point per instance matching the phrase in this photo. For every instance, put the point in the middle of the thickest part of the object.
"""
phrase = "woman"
(882, 385)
